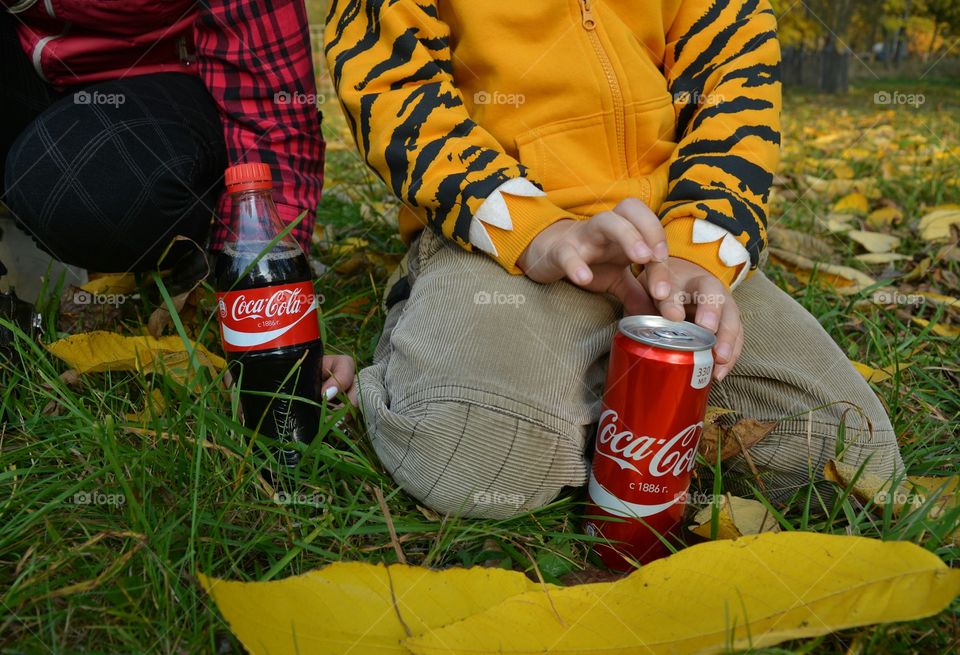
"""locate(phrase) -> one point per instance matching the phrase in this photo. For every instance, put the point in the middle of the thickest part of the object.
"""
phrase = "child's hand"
(706, 301)
(596, 254)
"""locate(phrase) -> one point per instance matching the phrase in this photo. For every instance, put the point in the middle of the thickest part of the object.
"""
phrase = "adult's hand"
(339, 377)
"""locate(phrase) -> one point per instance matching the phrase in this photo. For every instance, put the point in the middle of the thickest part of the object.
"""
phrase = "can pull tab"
(673, 335)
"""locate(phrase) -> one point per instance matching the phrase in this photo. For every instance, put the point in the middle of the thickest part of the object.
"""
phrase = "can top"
(669, 335)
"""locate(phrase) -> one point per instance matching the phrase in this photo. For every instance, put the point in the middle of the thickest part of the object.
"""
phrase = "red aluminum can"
(647, 437)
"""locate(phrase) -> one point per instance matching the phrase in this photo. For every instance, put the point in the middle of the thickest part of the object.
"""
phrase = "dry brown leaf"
(160, 319)
(713, 413)
(736, 517)
(799, 242)
(734, 439)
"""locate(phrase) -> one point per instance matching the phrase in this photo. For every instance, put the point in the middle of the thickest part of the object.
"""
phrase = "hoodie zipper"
(589, 23)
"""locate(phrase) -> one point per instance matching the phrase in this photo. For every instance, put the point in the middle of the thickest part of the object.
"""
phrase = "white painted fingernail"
(330, 393)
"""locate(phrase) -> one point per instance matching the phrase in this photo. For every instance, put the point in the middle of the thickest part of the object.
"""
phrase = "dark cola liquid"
(264, 371)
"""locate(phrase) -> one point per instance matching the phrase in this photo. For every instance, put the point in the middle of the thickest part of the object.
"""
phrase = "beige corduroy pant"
(485, 387)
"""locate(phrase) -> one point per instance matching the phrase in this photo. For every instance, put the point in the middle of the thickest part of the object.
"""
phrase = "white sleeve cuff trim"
(494, 211)
(731, 253)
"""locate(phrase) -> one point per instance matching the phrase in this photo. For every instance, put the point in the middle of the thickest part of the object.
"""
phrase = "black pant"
(104, 176)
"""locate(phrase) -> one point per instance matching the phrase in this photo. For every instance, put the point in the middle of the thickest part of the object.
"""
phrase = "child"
(550, 147)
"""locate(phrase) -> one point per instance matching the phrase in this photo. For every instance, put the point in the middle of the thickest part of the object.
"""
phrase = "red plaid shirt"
(254, 57)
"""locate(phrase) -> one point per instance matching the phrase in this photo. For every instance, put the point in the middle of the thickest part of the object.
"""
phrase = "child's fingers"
(621, 242)
(647, 224)
(662, 289)
(568, 260)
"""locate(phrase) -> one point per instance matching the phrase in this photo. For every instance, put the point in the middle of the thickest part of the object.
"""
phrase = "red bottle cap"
(248, 177)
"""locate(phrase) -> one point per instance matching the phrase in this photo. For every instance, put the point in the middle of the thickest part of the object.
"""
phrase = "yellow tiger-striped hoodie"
(491, 119)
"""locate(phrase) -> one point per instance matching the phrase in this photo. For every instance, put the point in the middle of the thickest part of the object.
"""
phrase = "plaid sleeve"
(254, 57)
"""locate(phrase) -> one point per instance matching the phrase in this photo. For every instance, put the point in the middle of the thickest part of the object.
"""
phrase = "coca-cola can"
(647, 437)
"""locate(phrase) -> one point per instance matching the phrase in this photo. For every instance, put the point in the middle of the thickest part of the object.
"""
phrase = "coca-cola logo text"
(675, 455)
(285, 302)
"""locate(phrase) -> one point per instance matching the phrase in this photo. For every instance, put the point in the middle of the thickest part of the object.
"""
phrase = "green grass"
(121, 577)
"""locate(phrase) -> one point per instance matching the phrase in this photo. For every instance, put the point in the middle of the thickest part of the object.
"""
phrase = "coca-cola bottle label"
(269, 317)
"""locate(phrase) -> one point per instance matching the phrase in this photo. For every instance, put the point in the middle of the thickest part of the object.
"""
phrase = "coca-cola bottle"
(268, 314)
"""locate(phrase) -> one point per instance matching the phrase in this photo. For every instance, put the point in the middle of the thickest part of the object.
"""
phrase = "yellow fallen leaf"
(354, 607)
(836, 223)
(880, 257)
(909, 494)
(833, 188)
(842, 279)
(736, 518)
(874, 241)
(939, 298)
(884, 216)
(154, 404)
(945, 489)
(853, 203)
(715, 597)
(842, 171)
(949, 331)
(935, 226)
(871, 374)
(111, 283)
(94, 352)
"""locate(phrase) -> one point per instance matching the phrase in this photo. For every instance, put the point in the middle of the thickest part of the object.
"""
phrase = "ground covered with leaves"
(118, 487)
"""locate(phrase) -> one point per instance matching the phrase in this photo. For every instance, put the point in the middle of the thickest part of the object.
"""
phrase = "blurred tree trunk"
(835, 57)
(900, 48)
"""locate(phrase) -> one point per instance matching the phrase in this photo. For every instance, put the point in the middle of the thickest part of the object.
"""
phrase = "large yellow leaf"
(715, 597)
(353, 607)
(93, 352)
